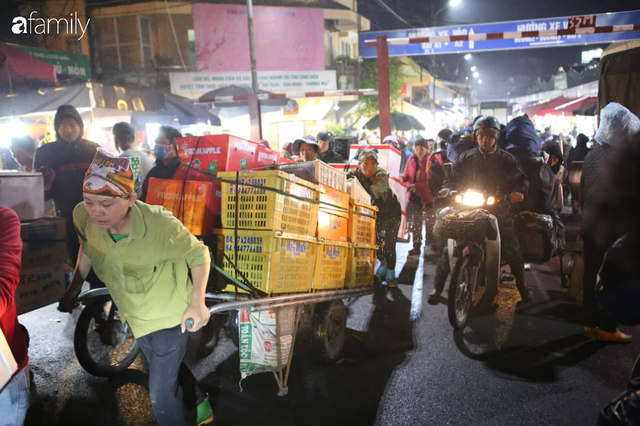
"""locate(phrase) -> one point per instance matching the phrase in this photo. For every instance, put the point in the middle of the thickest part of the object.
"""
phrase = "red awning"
(543, 108)
(18, 67)
(568, 107)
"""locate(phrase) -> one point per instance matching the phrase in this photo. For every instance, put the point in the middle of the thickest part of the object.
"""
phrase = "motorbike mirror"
(448, 170)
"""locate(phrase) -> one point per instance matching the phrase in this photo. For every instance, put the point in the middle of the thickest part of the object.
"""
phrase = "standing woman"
(420, 199)
(376, 181)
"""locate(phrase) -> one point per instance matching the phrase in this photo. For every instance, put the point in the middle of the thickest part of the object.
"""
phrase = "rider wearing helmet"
(327, 155)
(491, 169)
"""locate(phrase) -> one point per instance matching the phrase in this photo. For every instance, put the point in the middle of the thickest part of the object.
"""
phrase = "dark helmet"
(325, 136)
(486, 122)
(441, 146)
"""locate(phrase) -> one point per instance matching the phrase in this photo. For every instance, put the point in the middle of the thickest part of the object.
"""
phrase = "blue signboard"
(619, 18)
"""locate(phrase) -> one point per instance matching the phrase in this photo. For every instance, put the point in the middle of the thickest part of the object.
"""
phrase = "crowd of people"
(107, 220)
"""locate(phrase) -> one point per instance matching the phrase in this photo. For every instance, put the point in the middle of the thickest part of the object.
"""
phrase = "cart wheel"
(329, 330)
(232, 327)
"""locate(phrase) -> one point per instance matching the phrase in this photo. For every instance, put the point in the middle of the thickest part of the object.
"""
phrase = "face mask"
(160, 152)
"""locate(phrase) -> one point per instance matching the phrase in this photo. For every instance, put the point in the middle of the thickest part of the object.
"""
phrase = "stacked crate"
(362, 235)
(276, 243)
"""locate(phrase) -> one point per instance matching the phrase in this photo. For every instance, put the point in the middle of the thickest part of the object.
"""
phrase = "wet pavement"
(402, 365)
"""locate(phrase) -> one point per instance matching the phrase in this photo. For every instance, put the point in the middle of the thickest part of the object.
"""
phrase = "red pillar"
(384, 101)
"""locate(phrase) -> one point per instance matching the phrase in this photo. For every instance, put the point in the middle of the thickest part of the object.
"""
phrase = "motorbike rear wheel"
(104, 346)
(461, 296)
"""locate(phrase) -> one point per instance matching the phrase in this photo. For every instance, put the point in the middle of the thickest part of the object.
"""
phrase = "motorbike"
(473, 241)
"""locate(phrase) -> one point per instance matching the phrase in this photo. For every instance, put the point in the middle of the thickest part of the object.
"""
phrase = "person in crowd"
(411, 146)
(264, 144)
(306, 148)
(406, 154)
(599, 232)
(574, 133)
(327, 155)
(63, 164)
(156, 273)
(124, 138)
(14, 395)
(461, 141)
(437, 160)
(542, 197)
(167, 161)
(444, 135)
(23, 149)
(547, 133)
(420, 199)
(287, 151)
(567, 147)
(375, 181)
(494, 170)
(6, 160)
(577, 154)
(144, 147)
(555, 161)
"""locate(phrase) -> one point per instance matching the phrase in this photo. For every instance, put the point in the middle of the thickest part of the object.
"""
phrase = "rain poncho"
(522, 139)
(617, 124)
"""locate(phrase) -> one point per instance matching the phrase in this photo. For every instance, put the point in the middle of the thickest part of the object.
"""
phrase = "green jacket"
(378, 186)
(147, 273)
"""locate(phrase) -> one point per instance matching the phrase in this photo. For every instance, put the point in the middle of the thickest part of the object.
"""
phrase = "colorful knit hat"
(368, 154)
(109, 176)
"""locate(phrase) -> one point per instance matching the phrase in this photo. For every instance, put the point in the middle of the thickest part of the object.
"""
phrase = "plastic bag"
(468, 225)
(617, 124)
(536, 236)
(625, 409)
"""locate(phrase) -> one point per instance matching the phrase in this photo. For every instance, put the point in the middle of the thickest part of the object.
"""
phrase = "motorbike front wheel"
(104, 346)
(460, 293)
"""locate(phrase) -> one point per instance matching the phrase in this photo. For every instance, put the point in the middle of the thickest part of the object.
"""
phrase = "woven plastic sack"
(617, 124)
(535, 233)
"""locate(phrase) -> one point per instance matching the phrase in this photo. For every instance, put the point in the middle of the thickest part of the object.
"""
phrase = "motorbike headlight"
(473, 199)
(458, 199)
(491, 201)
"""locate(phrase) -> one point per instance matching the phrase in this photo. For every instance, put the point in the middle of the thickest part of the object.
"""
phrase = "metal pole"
(384, 99)
(253, 103)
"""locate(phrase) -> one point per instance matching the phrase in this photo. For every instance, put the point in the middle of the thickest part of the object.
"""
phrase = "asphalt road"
(402, 365)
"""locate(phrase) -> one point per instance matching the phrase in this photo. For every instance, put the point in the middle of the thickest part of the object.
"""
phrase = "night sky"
(500, 71)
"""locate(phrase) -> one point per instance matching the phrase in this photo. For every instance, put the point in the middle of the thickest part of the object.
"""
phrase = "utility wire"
(383, 4)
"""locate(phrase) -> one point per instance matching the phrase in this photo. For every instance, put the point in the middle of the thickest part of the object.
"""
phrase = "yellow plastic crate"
(272, 262)
(331, 265)
(362, 229)
(262, 209)
(362, 260)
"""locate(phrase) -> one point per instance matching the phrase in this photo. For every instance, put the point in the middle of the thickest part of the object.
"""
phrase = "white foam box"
(23, 192)
(389, 158)
(40, 287)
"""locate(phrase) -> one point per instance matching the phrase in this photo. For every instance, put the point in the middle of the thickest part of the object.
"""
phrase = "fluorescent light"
(473, 68)
(475, 74)
(454, 2)
(479, 81)
(467, 56)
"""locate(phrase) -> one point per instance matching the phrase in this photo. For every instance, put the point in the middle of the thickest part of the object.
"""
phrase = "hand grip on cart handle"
(188, 323)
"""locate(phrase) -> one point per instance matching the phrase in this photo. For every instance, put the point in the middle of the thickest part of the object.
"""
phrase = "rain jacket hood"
(617, 124)
(521, 138)
(67, 111)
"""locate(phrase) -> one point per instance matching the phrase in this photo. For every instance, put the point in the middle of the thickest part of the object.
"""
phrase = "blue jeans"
(14, 399)
(171, 383)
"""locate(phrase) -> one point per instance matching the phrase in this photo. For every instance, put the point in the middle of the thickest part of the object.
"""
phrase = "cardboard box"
(389, 158)
(40, 287)
(44, 230)
(332, 227)
(400, 189)
(266, 157)
(336, 197)
(215, 153)
(194, 207)
(23, 192)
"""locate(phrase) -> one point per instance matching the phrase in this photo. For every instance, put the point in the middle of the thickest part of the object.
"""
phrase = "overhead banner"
(65, 63)
(286, 38)
(619, 18)
(191, 84)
